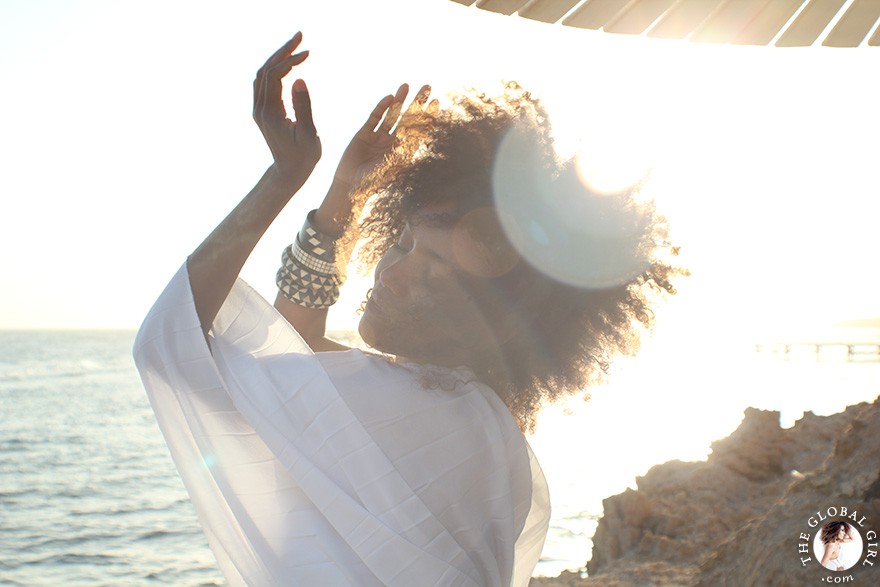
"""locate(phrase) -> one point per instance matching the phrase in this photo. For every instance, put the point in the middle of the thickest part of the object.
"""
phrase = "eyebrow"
(433, 219)
(437, 220)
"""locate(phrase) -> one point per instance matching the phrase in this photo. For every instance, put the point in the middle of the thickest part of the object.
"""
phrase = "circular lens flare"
(562, 227)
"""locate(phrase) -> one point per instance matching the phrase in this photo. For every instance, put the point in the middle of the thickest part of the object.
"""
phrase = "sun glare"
(610, 164)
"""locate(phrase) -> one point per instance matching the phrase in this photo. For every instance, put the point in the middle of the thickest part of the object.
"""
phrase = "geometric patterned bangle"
(315, 243)
(306, 260)
(307, 289)
(308, 275)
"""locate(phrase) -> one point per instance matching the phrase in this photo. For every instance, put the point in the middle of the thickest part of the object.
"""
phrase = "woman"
(309, 463)
(834, 534)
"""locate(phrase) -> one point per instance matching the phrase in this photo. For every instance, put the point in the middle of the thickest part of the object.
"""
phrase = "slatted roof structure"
(783, 23)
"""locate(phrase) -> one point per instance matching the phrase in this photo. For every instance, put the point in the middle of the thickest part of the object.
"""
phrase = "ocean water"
(90, 496)
(88, 492)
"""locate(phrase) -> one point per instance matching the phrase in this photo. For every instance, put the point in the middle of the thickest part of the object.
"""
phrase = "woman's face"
(841, 533)
(424, 306)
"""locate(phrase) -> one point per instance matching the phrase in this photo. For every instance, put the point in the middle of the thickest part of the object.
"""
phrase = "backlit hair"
(566, 334)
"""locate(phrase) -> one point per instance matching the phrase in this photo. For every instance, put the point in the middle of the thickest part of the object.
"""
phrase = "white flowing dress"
(337, 468)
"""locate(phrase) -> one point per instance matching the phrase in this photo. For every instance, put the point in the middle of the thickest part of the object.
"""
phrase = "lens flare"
(612, 165)
(559, 225)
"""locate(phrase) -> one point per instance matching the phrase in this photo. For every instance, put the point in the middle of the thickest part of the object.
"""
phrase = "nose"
(392, 275)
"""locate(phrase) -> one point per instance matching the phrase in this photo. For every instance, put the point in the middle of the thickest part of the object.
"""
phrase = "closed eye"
(405, 243)
(399, 248)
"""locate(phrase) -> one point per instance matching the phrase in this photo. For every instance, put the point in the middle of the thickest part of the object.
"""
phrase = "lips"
(391, 310)
(372, 306)
(376, 304)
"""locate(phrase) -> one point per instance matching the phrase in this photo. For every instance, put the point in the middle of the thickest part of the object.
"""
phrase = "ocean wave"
(17, 493)
(78, 539)
(62, 370)
(75, 493)
(162, 577)
(76, 558)
(15, 445)
(122, 511)
(152, 535)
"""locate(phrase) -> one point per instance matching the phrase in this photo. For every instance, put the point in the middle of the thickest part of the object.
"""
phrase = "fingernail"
(299, 86)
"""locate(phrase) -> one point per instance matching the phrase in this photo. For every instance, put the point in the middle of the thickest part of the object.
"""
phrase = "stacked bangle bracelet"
(308, 275)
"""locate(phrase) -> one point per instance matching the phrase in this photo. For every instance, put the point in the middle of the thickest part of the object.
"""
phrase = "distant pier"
(848, 351)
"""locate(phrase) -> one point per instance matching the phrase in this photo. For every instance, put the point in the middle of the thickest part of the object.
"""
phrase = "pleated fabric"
(337, 468)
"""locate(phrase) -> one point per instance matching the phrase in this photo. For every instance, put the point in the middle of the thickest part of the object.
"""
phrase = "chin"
(370, 334)
(365, 331)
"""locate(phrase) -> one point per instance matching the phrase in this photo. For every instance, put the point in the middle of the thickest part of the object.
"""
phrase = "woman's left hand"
(295, 145)
(374, 140)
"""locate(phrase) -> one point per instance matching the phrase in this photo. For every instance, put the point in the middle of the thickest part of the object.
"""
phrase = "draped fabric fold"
(337, 468)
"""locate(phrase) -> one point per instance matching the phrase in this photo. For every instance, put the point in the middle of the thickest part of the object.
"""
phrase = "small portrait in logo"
(837, 545)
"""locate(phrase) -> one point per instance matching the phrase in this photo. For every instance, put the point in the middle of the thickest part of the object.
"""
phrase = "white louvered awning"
(783, 23)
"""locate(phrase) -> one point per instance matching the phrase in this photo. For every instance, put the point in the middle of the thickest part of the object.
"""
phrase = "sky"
(126, 136)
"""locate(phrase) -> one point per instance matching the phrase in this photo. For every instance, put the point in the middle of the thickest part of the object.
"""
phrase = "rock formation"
(736, 518)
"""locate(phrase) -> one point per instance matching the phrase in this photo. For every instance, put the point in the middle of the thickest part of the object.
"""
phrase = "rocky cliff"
(736, 518)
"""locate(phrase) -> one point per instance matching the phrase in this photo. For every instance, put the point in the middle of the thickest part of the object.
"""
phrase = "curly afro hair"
(566, 333)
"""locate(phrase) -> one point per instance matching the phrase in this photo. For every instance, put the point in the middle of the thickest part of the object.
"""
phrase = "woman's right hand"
(295, 145)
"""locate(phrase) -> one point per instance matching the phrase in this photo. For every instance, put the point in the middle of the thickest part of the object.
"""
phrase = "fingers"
(419, 101)
(302, 108)
(267, 85)
(376, 115)
(393, 113)
(269, 100)
(279, 55)
(421, 98)
(402, 91)
(390, 107)
(285, 50)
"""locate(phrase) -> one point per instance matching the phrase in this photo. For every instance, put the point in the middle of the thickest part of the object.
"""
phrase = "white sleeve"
(293, 485)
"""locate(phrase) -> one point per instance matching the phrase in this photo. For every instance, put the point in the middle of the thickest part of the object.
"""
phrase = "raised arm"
(214, 266)
(367, 149)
